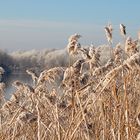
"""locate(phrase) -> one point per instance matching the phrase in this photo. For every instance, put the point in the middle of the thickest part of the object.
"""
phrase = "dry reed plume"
(96, 102)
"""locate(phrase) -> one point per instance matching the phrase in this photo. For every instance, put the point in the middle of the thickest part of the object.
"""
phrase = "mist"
(38, 60)
(19, 61)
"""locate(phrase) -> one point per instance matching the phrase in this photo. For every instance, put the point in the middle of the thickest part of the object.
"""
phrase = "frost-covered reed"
(85, 100)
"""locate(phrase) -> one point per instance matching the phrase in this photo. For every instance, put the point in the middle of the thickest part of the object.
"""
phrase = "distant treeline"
(34, 59)
(38, 60)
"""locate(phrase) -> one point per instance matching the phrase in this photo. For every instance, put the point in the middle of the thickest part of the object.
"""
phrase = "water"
(23, 77)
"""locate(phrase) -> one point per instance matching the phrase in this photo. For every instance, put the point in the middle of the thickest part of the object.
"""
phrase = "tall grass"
(92, 102)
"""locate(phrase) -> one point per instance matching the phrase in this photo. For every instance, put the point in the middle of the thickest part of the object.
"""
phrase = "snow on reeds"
(76, 102)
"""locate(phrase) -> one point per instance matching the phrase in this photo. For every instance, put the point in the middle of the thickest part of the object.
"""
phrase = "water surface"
(23, 77)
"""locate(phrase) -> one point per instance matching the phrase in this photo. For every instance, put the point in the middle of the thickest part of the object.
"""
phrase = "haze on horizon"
(39, 24)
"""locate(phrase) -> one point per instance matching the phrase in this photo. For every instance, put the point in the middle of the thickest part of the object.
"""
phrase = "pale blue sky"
(38, 24)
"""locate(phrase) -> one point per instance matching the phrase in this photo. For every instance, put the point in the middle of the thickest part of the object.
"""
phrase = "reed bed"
(99, 102)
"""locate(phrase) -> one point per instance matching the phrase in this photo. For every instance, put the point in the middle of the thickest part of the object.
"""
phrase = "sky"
(39, 24)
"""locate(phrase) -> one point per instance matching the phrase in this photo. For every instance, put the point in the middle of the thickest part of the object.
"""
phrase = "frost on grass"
(74, 101)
